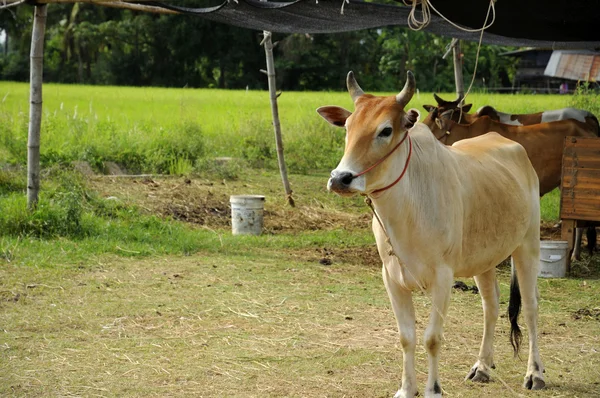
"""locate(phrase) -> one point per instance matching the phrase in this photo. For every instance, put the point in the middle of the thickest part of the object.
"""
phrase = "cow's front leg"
(401, 300)
(440, 298)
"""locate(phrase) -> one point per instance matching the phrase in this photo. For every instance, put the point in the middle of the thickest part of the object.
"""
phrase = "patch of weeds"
(315, 150)
(93, 156)
(52, 157)
(180, 166)
(60, 212)
(8, 250)
(133, 161)
(178, 150)
(85, 223)
(259, 151)
(12, 182)
(586, 97)
(223, 169)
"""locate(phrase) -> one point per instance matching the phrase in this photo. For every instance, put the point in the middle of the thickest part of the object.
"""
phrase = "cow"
(461, 116)
(477, 200)
(544, 142)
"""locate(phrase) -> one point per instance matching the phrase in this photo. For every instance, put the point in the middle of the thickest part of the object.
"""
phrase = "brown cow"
(543, 142)
(460, 114)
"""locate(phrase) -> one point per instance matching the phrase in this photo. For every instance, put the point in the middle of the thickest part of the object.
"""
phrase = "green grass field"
(174, 130)
(135, 287)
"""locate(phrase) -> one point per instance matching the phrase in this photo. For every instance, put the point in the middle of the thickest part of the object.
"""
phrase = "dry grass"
(214, 326)
(307, 321)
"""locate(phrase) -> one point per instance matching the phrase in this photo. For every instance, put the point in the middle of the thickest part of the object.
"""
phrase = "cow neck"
(376, 192)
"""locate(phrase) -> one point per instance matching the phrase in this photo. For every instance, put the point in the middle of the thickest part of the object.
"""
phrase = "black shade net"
(533, 23)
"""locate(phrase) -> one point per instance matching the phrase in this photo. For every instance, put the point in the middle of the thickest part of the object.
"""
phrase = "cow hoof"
(478, 374)
(405, 394)
(534, 383)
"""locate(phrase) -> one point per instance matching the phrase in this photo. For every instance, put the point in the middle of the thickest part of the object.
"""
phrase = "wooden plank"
(580, 178)
(577, 193)
(577, 212)
(586, 148)
(582, 162)
(582, 142)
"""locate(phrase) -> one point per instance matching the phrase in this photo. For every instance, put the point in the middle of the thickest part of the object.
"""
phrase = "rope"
(417, 24)
(490, 8)
(383, 158)
(392, 253)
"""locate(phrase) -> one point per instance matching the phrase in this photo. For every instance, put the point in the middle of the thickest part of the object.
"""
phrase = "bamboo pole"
(11, 4)
(458, 70)
(275, 111)
(35, 106)
(135, 7)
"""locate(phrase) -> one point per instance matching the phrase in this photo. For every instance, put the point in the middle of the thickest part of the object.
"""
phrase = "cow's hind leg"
(490, 297)
(526, 264)
(440, 298)
(401, 300)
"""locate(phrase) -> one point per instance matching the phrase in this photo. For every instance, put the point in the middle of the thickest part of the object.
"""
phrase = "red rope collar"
(384, 158)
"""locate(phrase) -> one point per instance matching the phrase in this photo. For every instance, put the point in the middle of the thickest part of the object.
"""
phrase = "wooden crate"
(580, 187)
(580, 183)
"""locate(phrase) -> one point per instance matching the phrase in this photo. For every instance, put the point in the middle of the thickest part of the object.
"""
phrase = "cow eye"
(386, 132)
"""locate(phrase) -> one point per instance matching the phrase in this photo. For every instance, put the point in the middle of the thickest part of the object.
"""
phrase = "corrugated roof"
(574, 65)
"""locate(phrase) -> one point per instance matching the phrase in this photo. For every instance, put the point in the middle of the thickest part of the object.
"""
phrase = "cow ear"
(334, 115)
(429, 108)
(467, 107)
(410, 118)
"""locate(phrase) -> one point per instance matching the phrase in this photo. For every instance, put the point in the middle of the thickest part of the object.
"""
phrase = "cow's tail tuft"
(514, 308)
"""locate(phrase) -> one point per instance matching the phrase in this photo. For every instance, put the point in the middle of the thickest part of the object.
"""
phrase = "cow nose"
(340, 181)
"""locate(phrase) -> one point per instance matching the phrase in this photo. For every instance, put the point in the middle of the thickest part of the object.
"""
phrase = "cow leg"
(440, 298)
(490, 299)
(577, 246)
(401, 300)
(526, 262)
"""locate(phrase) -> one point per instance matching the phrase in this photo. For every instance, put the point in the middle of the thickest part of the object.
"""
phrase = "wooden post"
(568, 228)
(458, 71)
(35, 105)
(275, 111)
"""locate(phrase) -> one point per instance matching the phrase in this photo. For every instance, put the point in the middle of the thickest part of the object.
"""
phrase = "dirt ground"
(206, 203)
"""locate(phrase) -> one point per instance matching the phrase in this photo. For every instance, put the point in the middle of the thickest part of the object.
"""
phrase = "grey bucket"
(247, 214)
(553, 258)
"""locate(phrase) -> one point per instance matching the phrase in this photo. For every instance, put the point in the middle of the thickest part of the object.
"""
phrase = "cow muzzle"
(345, 183)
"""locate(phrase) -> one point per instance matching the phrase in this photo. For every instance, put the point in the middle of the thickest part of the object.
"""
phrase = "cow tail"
(514, 308)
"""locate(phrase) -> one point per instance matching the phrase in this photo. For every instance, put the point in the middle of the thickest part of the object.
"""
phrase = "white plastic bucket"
(553, 258)
(247, 214)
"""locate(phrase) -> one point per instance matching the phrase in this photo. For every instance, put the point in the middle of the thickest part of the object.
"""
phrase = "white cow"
(448, 212)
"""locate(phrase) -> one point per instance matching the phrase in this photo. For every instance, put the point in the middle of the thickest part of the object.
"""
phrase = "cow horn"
(438, 99)
(353, 87)
(408, 91)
